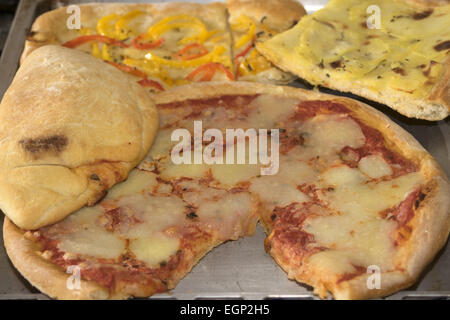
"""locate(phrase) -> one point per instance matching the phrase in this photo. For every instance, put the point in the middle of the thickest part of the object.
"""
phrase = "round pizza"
(342, 192)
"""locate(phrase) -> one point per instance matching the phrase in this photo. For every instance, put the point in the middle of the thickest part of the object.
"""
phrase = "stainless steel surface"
(238, 269)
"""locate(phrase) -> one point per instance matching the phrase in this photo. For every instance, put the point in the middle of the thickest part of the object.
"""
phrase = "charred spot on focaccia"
(51, 145)
(400, 71)
(422, 15)
(442, 46)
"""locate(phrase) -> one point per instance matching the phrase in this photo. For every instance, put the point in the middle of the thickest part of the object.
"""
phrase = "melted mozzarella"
(87, 238)
(374, 166)
(275, 192)
(137, 182)
(228, 216)
(361, 240)
(154, 249)
(230, 174)
(371, 198)
(328, 134)
(270, 110)
(342, 175)
(356, 233)
(174, 171)
(155, 214)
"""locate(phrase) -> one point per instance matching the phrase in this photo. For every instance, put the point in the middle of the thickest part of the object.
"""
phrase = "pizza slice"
(392, 52)
(72, 127)
(161, 44)
(253, 21)
(353, 193)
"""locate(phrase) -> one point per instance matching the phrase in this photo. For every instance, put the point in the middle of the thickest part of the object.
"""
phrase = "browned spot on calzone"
(42, 145)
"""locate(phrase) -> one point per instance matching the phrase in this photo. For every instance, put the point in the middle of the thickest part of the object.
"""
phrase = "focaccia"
(394, 52)
(169, 44)
(161, 44)
(72, 127)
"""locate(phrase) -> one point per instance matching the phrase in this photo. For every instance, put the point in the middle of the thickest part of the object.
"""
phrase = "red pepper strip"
(93, 37)
(144, 82)
(151, 83)
(128, 69)
(183, 52)
(243, 54)
(149, 45)
(208, 70)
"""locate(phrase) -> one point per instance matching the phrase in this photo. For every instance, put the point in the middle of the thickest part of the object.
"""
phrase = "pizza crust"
(73, 127)
(42, 274)
(52, 279)
(279, 14)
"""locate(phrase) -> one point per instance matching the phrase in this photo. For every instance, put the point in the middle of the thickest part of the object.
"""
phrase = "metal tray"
(237, 269)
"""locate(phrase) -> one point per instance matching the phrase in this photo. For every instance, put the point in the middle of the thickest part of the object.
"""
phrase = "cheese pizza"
(394, 52)
(353, 192)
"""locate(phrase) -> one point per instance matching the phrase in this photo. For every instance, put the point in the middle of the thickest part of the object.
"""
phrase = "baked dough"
(276, 16)
(405, 64)
(72, 127)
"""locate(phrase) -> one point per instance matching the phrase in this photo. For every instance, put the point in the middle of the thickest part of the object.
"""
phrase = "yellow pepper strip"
(179, 17)
(216, 39)
(244, 23)
(217, 51)
(105, 53)
(105, 26)
(179, 21)
(147, 66)
(96, 51)
(212, 33)
(95, 48)
(121, 26)
(199, 37)
(151, 68)
(164, 76)
(85, 31)
(225, 60)
(180, 82)
(254, 64)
